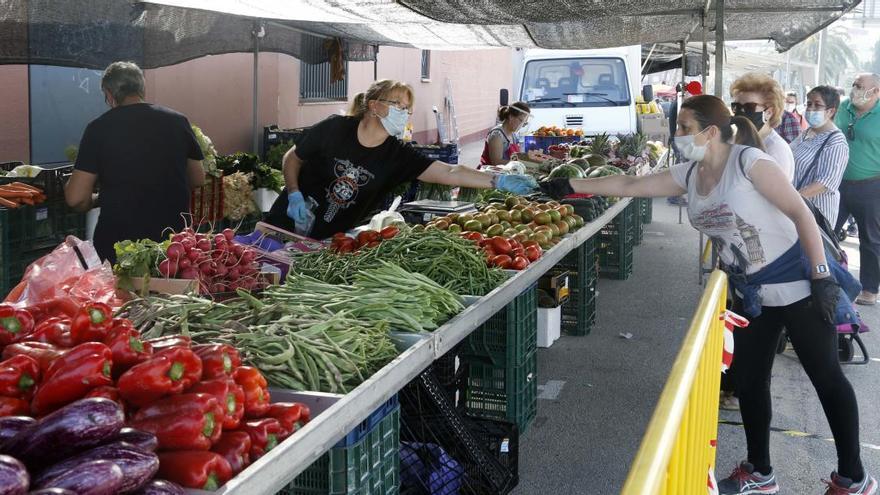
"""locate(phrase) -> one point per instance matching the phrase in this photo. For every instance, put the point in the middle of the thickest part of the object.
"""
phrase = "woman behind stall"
(502, 140)
(740, 198)
(821, 153)
(346, 165)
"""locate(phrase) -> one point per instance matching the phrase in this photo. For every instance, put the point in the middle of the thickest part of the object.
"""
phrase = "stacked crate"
(617, 242)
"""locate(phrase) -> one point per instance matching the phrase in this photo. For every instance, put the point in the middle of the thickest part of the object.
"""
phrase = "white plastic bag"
(387, 217)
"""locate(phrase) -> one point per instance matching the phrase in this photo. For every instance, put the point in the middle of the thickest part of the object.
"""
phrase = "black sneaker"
(745, 480)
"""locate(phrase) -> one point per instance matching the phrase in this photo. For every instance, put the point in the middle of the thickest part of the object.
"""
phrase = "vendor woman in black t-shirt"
(345, 166)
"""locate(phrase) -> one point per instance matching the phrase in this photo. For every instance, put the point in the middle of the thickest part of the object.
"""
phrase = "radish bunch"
(219, 264)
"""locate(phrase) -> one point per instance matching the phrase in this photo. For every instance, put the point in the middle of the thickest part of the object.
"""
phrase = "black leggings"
(815, 343)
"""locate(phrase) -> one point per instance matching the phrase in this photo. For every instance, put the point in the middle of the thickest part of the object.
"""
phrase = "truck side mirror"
(504, 97)
(648, 92)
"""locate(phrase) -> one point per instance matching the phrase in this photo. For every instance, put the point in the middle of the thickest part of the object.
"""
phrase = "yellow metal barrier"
(678, 449)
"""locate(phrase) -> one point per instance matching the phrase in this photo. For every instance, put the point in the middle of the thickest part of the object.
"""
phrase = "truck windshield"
(576, 82)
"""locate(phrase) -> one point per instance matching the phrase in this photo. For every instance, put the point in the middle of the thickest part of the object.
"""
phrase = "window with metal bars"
(314, 83)
(426, 64)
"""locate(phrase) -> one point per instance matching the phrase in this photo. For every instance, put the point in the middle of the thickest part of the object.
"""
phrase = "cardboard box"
(161, 285)
(556, 285)
(549, 325)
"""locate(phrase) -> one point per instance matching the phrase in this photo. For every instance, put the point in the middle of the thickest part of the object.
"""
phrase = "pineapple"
(600, 145)
(632, 145)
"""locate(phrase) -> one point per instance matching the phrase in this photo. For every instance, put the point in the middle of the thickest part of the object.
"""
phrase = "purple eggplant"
(137, 466)
(52, 491)
(11, 425)
(14, 479)
(143, 440)
(90, 478)
(161, 487)
(67, 431)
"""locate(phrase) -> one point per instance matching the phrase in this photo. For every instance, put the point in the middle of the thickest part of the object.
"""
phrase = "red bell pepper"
(256, 393)
(265, 434)
(289, 414)
(91, 323)
(11, 406)
(194, 469)
(15, 324)
(19, 376)
(55, 331)
(45, 354)
(169, 342)
(127, 347)
(235, 447)
(218, 360)
(72, 376)
(182, 422)
(168, 372)
(229, 395)
(63, 306)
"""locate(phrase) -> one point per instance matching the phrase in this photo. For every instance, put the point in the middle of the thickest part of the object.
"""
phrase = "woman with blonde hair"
(759, 98)
(345, 165)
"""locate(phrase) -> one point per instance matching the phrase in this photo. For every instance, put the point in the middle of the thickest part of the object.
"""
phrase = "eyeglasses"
(398, 105)
(745, 107)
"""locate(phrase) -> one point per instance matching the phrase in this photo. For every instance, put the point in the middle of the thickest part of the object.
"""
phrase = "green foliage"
(276, 153)
(262, 175)
(139, 258)
(839, 55)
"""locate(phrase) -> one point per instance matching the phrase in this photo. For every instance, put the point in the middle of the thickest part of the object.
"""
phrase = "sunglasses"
(851, 131)
(746, 107)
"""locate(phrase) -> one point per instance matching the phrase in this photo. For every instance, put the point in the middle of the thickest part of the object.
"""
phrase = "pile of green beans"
(407, 301)
(455, 263)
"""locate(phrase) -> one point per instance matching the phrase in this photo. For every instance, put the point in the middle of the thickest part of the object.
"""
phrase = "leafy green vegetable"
(275, 156)
(139, 258)
(262, 175)
(209, 163)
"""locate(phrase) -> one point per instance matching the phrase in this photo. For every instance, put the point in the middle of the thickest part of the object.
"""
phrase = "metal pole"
(684, 47)
(705, 59)
(376, 64)
(719, 48)
(258, 32)
(823, 42)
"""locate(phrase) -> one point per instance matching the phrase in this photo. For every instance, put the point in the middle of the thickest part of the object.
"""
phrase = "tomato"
(529, 243)
(346, 248)
(389, 232)
(519, 263)
(501, 261)
(533, 253)
(520, 251)
(367, 237)
(501, 245)
(473, 236)
(339, 236)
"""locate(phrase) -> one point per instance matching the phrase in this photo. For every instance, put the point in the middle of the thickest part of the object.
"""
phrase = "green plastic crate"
(502, 392)
(647, 210)
(579, 311)
(616, 245)
(511, 335)
(371, 466)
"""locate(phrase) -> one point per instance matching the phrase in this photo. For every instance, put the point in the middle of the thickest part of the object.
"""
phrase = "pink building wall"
(215, 92)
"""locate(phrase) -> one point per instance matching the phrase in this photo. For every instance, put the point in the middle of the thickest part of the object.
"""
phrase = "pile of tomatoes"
(506, 253)
(343, 243)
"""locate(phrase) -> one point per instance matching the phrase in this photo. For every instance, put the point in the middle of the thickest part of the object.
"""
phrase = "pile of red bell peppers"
(211, 415)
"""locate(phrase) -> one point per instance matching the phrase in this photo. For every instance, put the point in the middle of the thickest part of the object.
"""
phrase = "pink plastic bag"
(73, 270)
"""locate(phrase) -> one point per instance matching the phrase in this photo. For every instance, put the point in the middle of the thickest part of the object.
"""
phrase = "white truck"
(592, 90)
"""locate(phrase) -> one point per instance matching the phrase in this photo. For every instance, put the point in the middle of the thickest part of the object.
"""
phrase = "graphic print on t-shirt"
(717, 219)
(343, 191)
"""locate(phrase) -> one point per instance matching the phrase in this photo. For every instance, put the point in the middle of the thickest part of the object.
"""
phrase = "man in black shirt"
(145, 160)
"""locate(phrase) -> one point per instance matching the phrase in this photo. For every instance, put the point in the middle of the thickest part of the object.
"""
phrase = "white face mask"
(816, 118)
(689, 149)
(395, 122)
(860, 99)
(790, 107)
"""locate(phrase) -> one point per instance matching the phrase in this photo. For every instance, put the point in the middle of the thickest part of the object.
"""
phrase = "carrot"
(28, 201)
(5, 193)
(27, 186)
(8, 204)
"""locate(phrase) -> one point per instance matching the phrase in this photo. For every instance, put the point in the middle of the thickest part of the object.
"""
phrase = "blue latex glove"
(296, 207)
(517, 184)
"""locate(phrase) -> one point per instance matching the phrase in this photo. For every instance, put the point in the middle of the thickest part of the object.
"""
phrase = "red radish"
(175, 250)
(189, 273)
(203, 244)
(184, 264)
(248, 256)
(220, 239)
(167, 268)
(229, 234)
(231, 261)
(237, 250)
(207, 270)
(188, 244)
(177, 237)
(189, 231)
(221, 270)
(194, 255)
(234, 273)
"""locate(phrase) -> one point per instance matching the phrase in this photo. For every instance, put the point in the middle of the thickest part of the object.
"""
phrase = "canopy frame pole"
(258, 33)
(376, 64)
(719, 48)
(684, 46)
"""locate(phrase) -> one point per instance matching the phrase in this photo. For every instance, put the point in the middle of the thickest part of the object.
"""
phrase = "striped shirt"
(828, 170)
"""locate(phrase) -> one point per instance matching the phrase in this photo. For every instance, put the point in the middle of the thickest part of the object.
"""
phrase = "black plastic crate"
(647, 210)
(616, 245)
(273, 136)
(510, 336)
(14, 264)
(579, 312)
(446, 452)
(447, 153)
(51, 180)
